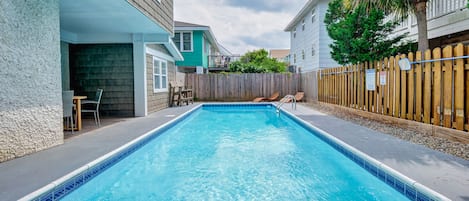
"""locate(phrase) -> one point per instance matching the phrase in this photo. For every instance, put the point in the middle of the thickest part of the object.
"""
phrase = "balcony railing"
(438, 8)
(435, 9)
(221, 62)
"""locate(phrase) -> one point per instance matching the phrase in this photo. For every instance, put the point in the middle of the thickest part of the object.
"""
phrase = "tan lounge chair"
(298, 96)
(271, 98)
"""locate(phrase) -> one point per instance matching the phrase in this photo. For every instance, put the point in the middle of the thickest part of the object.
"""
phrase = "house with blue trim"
(198, 46)
(122, 46)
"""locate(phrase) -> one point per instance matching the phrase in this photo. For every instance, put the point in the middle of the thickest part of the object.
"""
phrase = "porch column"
(140, 81)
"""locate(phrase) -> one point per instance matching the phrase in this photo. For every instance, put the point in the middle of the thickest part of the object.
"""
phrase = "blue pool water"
(220, 153)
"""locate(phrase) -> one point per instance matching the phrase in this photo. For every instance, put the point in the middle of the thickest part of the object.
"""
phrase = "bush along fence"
(434, 90)
(241, 87)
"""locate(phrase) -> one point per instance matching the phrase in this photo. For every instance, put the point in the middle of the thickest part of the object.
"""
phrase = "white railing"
(438, 8)
(435, 9)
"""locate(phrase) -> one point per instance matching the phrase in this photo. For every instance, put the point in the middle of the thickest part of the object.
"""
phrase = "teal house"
(198, 46)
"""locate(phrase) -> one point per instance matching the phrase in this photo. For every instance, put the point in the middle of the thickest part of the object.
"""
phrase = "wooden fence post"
(403, 92)
(459, 87)
(447, 85)
(437, 88)
(466, 67)
(418, 88)
(427, 89)
(392, 101)
(410, 89)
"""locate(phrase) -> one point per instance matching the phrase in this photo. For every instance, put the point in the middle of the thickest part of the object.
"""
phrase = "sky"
(242, 25)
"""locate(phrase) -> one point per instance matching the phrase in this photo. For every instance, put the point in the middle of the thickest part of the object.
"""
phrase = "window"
(160, 75)
(294, 58)
(303, 54)
(313, 15)
(303, 24)
(312, 50)
(183, 41)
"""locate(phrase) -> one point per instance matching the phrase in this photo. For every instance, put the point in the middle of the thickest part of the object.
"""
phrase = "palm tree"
(402, 9)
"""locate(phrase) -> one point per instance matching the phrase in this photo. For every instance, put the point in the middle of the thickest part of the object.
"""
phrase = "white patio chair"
(67, 105)
(92, 106)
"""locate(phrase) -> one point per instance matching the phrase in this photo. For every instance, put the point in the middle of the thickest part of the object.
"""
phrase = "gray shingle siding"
(107, 66)
(161, 12)
(158, 101)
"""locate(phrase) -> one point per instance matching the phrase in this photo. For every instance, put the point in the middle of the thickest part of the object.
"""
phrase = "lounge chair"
(271, 98)
(298, 97)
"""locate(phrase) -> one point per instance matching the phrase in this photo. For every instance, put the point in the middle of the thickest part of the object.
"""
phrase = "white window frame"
(313, 51)
(181, 41)
(313, 15)
(162, 75)
(303, 24)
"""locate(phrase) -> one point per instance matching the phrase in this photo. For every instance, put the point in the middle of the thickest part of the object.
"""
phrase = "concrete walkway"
(443, 173)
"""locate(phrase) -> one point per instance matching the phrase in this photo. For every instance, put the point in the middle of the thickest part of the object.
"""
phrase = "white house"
(309, 41)
(448, 23)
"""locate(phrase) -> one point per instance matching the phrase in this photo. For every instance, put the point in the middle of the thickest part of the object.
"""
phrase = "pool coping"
(343, 147)
(49, 188)
(88, 171)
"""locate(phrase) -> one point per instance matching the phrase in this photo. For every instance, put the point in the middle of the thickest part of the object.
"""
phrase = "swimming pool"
(235, 152)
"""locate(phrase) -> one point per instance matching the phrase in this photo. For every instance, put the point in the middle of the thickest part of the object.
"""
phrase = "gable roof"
(185, 26)
(303, 12)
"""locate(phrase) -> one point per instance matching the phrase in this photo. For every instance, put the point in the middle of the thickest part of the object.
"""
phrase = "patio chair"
(92, 106)
(298, 96)
(67, 105)
(273, 97)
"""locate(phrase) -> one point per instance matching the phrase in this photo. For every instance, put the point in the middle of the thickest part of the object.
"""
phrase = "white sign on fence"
(370, 79)
(382, 77)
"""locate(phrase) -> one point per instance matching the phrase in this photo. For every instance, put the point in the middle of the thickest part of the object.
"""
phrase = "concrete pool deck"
(441, 172)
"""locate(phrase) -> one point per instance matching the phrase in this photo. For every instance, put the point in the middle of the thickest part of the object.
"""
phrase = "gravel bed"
(436, 143)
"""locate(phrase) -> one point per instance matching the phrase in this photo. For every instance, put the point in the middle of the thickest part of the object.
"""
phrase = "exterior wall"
(445, 18)
(194, 58)
(158, 101)
(315, 34)
(324, 51)
(106, 66)
(30, 92)
(160, 12)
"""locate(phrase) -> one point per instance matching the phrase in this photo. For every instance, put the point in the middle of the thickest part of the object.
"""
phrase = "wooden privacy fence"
(433, 91)
(241, 87)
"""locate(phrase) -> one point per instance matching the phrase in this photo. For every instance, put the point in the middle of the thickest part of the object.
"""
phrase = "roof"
(279, 53)
(303, 12)
(185, 26)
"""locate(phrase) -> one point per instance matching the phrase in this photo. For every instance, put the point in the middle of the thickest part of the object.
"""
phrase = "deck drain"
(170, 115)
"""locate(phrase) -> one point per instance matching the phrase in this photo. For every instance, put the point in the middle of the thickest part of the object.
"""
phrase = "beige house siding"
(158, 101)
(161, 12)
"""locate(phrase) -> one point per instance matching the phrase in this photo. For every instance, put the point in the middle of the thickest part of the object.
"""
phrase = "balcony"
(444, 17)
(218, 63)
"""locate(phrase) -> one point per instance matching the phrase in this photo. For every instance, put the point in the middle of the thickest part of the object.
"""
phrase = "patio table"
(77, 102)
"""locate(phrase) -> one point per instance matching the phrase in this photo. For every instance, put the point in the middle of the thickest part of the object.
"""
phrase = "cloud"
(239, 27)
(263, 5)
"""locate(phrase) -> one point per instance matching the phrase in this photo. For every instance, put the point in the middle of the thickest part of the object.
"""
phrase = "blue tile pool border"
(406, 186)
(65, 185)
